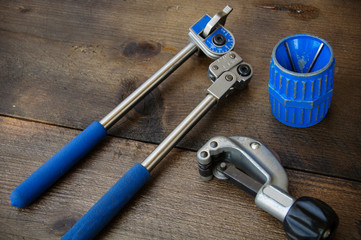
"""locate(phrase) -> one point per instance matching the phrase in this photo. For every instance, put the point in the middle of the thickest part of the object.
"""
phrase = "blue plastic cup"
(301, 80)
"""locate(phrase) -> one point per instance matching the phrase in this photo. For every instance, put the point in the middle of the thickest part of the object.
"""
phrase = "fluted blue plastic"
(47, 174)
(109, 205)
(299, 98)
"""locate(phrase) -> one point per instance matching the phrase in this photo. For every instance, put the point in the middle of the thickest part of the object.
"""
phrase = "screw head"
(232, 56)
(229, 77)
(223, 166)
(215, 67)
(219, 40)
(244, 70)
(255, 145)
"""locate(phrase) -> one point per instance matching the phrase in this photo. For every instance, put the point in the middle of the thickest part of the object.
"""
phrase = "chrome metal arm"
(127, 104)
(226, 78)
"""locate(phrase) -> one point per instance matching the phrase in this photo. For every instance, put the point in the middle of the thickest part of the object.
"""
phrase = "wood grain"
(70, 62)
(64, 64)
(174, 204)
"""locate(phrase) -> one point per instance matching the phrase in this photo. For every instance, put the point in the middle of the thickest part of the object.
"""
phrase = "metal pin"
(289, 56)
(229, 77)
(316, 57)
(223, 166)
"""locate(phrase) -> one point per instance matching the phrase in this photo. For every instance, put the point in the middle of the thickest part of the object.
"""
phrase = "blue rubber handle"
(109, 205)
(57, 166)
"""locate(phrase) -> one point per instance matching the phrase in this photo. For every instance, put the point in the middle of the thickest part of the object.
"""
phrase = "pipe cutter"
(252, 167)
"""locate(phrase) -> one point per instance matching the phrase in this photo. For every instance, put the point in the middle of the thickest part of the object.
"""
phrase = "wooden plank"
(69, 63)
(174, 204)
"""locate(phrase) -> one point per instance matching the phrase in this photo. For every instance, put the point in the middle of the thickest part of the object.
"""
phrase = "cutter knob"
(310, 218)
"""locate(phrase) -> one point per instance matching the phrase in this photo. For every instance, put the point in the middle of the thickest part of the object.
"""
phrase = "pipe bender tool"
(207, 35)
(253, 168)
(227, 73)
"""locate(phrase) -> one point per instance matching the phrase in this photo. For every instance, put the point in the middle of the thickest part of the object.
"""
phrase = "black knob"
(244, 70)
(219, 40)
(310, 218)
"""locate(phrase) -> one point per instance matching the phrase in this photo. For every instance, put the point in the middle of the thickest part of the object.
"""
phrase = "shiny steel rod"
(178, 133)
(315, 58)
(289, 56)
(127, 104)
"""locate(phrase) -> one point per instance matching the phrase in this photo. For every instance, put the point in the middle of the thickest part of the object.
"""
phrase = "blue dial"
(229, 43)
(219, 42)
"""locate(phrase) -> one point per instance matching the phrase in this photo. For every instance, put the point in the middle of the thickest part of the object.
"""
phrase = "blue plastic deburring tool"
(45, 176)
(109, 205)
(301, 80)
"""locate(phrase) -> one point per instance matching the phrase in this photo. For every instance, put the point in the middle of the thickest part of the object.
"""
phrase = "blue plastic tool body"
(109, 205)
(300, 98)
(220, 49)
(201, 24)
(46, 175)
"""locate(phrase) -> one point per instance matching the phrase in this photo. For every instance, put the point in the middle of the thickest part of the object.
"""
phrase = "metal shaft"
(109, 120)
(289, 56)
(315, 58)
(178, 133)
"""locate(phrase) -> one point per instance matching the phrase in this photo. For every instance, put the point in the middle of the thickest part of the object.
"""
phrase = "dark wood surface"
(64, 64)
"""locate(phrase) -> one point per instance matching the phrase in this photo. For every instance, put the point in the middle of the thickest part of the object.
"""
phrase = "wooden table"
(64, 64)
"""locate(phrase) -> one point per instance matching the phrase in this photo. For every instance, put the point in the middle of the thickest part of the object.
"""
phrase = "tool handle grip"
(310, 218)
(47, 174)
(109, 205)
